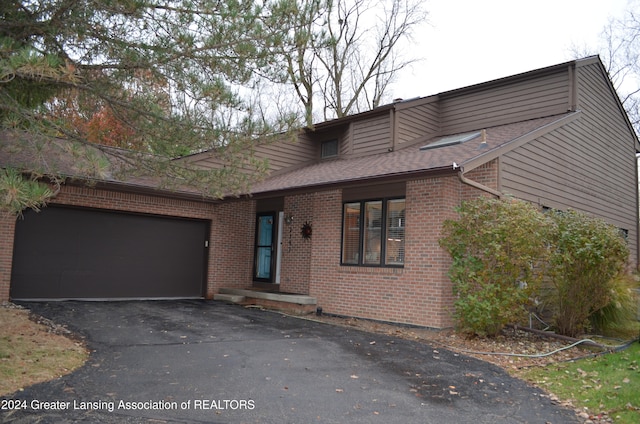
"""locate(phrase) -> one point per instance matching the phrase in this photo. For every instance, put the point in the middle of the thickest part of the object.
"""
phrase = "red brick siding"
(7, 228)
(296, 251)
(419, 293)
(132, 202)
(232, 245)
(83, 196)
(486, 175)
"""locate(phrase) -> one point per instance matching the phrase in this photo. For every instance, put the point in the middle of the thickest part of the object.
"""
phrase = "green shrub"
(618, 317)
(498, 248)
(587, 254)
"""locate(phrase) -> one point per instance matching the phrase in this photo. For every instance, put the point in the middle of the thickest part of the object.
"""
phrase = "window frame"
(384, 220)
(335, 146)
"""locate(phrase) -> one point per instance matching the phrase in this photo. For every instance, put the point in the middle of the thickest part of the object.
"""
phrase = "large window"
(373, 233)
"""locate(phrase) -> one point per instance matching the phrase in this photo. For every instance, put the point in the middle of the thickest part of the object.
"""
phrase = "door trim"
(263, 254)
(279, 247)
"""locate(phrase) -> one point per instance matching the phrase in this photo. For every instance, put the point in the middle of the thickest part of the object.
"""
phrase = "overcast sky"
(472, 41)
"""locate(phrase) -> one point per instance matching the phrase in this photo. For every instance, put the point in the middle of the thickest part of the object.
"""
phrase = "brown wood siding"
(346, 146)
(588, 165)
(281, 154)
(417, 121)
(372, 135)
(546, 95)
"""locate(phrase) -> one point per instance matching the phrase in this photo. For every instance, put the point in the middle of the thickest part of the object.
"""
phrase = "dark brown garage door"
(63, 253)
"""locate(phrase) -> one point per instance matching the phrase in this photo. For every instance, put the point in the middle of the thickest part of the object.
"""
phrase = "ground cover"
(607, 384)
(33, 351)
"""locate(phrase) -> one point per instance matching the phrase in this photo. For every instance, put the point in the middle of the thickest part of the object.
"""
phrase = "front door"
(265, 248)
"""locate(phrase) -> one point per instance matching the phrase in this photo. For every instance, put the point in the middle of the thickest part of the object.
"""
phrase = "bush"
(503, 250)
(587, 254)
(618, 317)
(498, 248)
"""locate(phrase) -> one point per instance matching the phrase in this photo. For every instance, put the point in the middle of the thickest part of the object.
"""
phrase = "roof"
(408, 161)
(412, 160)
(43, 155)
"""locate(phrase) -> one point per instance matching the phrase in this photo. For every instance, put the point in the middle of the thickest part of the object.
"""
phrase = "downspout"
(467, 181)
(477, 185)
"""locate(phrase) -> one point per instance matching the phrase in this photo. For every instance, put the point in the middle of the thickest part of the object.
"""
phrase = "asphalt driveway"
(208, 362)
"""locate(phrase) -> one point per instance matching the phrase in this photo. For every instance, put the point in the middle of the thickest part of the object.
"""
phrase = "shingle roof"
(51, 156)
(404, 161)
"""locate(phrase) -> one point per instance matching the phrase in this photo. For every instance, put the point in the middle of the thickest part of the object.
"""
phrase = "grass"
(608, 383)
(30, 353)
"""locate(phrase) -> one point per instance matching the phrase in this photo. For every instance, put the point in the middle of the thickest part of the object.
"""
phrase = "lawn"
(608, 383)
(31, 352)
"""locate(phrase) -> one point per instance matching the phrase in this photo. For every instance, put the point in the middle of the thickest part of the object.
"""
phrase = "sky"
(466, 42)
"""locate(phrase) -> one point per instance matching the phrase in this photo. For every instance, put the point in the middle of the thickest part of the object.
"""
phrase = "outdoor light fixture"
(288, 219)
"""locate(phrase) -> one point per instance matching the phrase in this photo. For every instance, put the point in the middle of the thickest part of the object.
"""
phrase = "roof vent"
(451, 140)
(483, 142)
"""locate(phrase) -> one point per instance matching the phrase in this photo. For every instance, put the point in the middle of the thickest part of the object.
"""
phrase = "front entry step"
(292, 303)
(231, 298)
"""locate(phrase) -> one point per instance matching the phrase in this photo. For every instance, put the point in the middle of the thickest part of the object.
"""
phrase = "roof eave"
(133, 188)
(371, 180)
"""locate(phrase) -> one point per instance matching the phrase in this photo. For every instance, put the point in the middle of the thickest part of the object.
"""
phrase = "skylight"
(451, 140)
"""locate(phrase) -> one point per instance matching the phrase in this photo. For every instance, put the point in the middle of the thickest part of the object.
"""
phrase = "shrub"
(587, 254)
(498, 248)
(618, 317)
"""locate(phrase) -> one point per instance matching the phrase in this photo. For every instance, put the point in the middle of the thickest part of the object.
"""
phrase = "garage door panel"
(81, 253)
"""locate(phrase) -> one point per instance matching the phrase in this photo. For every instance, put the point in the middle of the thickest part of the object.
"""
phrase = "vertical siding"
(588, 165)
(546, 95)
(372, 135)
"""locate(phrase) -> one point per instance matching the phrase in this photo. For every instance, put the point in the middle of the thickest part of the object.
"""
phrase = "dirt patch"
(34, 349)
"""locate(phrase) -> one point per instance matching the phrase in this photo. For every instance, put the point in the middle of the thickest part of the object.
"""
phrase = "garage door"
(63, 253)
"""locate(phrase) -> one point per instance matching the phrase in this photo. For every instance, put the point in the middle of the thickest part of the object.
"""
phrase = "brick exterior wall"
(420, 293)
(486, 175)
(232, 245)
(296, 251)
(83, 196)
(7, 230)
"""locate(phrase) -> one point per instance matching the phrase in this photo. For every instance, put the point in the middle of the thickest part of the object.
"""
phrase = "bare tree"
(343, 54)
(619, 51)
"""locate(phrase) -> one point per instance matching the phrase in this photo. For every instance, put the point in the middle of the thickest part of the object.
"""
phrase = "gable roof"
(404, 162)
(412, 161)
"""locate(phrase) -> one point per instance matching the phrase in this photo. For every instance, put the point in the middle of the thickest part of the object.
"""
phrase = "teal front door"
(264, 252)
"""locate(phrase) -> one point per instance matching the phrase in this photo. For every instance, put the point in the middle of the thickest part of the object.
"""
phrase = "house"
(350, 216)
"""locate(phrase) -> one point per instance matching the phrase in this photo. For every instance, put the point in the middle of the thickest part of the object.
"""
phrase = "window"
(451, 140)
(373, 233)
(329, 149)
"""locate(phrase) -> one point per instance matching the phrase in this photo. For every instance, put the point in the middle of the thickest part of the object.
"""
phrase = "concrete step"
(299, 299)
(231, 298)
